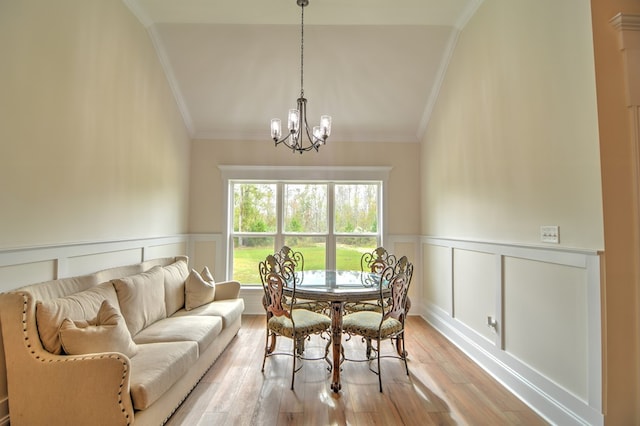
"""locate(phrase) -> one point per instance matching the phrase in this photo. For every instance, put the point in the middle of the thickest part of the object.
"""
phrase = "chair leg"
(326, 356)
(400, 346)
(379, 371)
(368, 348)
(272, 345)
(295, 357)
(404, 356)
(266, 350)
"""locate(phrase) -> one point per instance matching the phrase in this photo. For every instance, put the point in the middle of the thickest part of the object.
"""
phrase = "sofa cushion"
(141, 298)
(229, 310)
(62, 287)
(199, 289)
(156, 367)
(202, 330)
(106, 333)
(174, 278)
(79, 306)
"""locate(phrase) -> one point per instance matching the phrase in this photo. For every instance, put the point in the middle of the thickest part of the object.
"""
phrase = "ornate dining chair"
(374, 263)
(288, 257)
(288, 320)
(387, 323)
(377, 260)
(291, 260)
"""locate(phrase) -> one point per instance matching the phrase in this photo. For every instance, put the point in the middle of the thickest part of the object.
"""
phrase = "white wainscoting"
(545, 347)
(546, 343)
(19, 267)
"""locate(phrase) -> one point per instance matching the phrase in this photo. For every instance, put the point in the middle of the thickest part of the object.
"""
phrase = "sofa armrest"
(226, 290)
(65, 389)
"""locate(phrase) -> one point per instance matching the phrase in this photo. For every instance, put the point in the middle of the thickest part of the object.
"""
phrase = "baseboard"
(545, 397)
(252, 300)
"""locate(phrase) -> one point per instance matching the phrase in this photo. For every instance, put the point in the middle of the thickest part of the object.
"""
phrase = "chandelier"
(297, 119)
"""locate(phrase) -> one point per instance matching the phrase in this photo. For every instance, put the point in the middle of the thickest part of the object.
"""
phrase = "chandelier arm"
(315, 142)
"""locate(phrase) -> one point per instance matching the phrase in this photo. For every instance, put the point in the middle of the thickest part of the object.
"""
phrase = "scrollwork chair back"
(377, 261)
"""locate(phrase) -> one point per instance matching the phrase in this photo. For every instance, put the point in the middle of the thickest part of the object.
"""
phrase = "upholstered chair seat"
(306, 323)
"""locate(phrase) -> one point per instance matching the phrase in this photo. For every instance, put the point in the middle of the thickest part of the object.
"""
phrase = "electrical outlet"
(550, 234)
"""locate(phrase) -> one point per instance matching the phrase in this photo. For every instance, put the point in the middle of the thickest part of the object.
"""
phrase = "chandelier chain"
(302, 53)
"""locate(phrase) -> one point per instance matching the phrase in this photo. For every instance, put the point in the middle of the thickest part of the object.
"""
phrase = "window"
(331, 222)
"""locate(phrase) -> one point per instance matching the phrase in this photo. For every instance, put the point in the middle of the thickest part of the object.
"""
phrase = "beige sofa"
(59, 340)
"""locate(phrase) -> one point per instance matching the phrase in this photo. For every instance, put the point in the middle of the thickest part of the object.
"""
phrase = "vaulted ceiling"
(375, 66)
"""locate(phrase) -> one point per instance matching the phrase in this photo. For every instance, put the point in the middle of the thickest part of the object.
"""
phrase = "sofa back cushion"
(49, 290)
(174, 279)
(141, 298)
(79, 306)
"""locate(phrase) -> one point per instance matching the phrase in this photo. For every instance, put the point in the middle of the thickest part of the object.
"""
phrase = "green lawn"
(247, 259)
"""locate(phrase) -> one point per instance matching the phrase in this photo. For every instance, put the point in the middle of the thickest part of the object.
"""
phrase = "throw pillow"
(206, 274)
(106, 333)
(78, 306)
(200, 289)
(141, 298)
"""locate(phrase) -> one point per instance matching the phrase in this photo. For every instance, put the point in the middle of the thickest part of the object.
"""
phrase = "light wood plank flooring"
(444, 387)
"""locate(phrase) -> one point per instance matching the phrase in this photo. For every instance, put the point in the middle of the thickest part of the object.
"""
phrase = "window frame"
(293, 174)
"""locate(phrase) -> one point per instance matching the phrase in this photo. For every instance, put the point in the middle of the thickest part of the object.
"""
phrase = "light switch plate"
(550, 234)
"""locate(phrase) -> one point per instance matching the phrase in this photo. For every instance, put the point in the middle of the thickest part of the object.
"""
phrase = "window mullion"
(331, 238)
(279, 238)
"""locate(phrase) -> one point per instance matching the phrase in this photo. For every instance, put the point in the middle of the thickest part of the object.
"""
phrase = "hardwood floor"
(444, 387)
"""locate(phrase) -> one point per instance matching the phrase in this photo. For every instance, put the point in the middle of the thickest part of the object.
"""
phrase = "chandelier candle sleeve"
(276, 128)
(297, 118)
(294, 120)
(325, 125)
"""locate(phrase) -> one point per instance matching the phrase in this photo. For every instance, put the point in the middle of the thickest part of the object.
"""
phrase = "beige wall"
(621, 217)
(513, 139)
(513, 144)
(92, 144)
(206, 211)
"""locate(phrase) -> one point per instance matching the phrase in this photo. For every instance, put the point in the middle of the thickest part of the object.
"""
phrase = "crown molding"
(163, 57)
(467, 14)
(138, 12)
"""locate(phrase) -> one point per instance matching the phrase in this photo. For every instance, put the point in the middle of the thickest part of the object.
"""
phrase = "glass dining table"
(337, 288)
